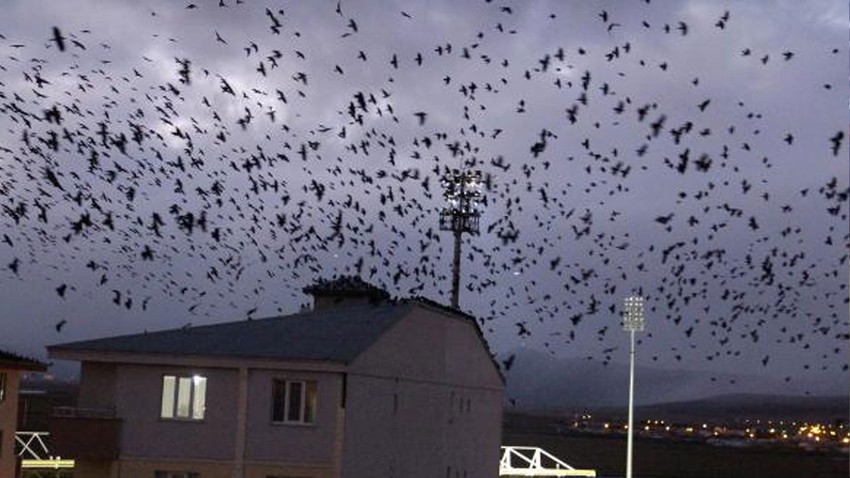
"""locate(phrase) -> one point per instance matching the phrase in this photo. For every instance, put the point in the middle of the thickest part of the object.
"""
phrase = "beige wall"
(145, 468)
(136, 395)
(267, 441)
(135, 392)
(93, 469)
(97, 385)
(9, 422)
(131, 467)
(260, 470)
(407, 403)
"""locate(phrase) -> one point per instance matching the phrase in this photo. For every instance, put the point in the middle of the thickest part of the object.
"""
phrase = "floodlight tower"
(462, 191)
(633, 321)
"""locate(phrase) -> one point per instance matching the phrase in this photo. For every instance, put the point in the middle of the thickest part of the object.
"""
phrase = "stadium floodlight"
(462, 191)
(633, 321)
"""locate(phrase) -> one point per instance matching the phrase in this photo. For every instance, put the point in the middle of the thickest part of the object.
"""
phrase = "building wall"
(149, 443)
(93, 469)
(305, 444)
(97, 385)
(146, 468)
(138, 395)
(264, 470)
(8, 422)
(424, 401)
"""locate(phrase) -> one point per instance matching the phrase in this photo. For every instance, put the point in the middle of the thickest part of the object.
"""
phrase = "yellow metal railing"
(35, 454)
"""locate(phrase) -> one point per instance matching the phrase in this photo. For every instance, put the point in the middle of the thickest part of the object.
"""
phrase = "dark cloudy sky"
(665, 147)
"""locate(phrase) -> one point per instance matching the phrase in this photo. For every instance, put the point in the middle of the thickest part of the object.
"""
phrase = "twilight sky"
(208, 161)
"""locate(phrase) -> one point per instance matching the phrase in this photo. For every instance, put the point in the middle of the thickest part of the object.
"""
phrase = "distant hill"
(538, 382)
(752, 407)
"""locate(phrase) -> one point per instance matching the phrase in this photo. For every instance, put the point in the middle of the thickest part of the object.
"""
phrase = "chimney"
(344, 291)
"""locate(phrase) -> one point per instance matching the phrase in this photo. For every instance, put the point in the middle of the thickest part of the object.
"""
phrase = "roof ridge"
(352, 285)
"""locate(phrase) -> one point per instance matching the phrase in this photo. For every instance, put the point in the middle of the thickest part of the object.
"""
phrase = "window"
(3, 380)
(294, 401)
(183, 398)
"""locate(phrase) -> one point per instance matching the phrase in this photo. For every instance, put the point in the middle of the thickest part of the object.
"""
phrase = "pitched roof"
(9, 360)
(347, 286)
(333, 335)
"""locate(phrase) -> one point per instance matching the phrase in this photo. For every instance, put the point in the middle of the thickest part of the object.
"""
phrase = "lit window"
(183, 397)
(294, 401)
(3, 381)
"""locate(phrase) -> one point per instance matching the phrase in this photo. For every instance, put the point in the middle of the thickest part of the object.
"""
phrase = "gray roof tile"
(9, 360)
(333, 335)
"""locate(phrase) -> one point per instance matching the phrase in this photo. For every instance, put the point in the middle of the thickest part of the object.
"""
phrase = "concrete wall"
(97, 385)
(295, 443)
(138, 395)
(9, 422)
(93, 469)
(149, 443)
(424, 401)
(145, 468)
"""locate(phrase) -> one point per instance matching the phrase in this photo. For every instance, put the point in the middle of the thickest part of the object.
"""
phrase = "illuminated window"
(183, 397)
(294, 401)
(3, 380)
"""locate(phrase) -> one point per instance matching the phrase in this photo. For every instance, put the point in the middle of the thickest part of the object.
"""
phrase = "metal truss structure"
(36, 459)
(533, 461)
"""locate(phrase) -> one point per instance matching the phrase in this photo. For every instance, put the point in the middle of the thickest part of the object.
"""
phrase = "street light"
(633, 321)
(462, 190)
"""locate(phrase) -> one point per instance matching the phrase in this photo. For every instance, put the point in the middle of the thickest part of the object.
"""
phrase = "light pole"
(633, 321)
(462, 190)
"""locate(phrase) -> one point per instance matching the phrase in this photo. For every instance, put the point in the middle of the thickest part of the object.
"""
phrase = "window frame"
(307, 411)
(197, 386)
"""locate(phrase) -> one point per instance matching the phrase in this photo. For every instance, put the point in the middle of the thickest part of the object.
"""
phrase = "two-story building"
(12, 366)
(361, 386)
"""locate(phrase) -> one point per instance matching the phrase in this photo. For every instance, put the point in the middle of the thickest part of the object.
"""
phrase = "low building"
(361, 386)
(12, 366)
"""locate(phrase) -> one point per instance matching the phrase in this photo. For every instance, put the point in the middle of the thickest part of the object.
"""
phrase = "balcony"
(85, 433)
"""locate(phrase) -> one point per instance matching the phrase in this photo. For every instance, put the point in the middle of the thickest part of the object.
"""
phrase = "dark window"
(294, 401)
(278, 400)
(294, 412)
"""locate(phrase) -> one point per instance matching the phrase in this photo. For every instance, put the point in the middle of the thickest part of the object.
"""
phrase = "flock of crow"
(214, 171)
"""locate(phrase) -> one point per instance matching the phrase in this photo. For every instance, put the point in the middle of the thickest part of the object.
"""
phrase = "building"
(361, 386)
(12, 366)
